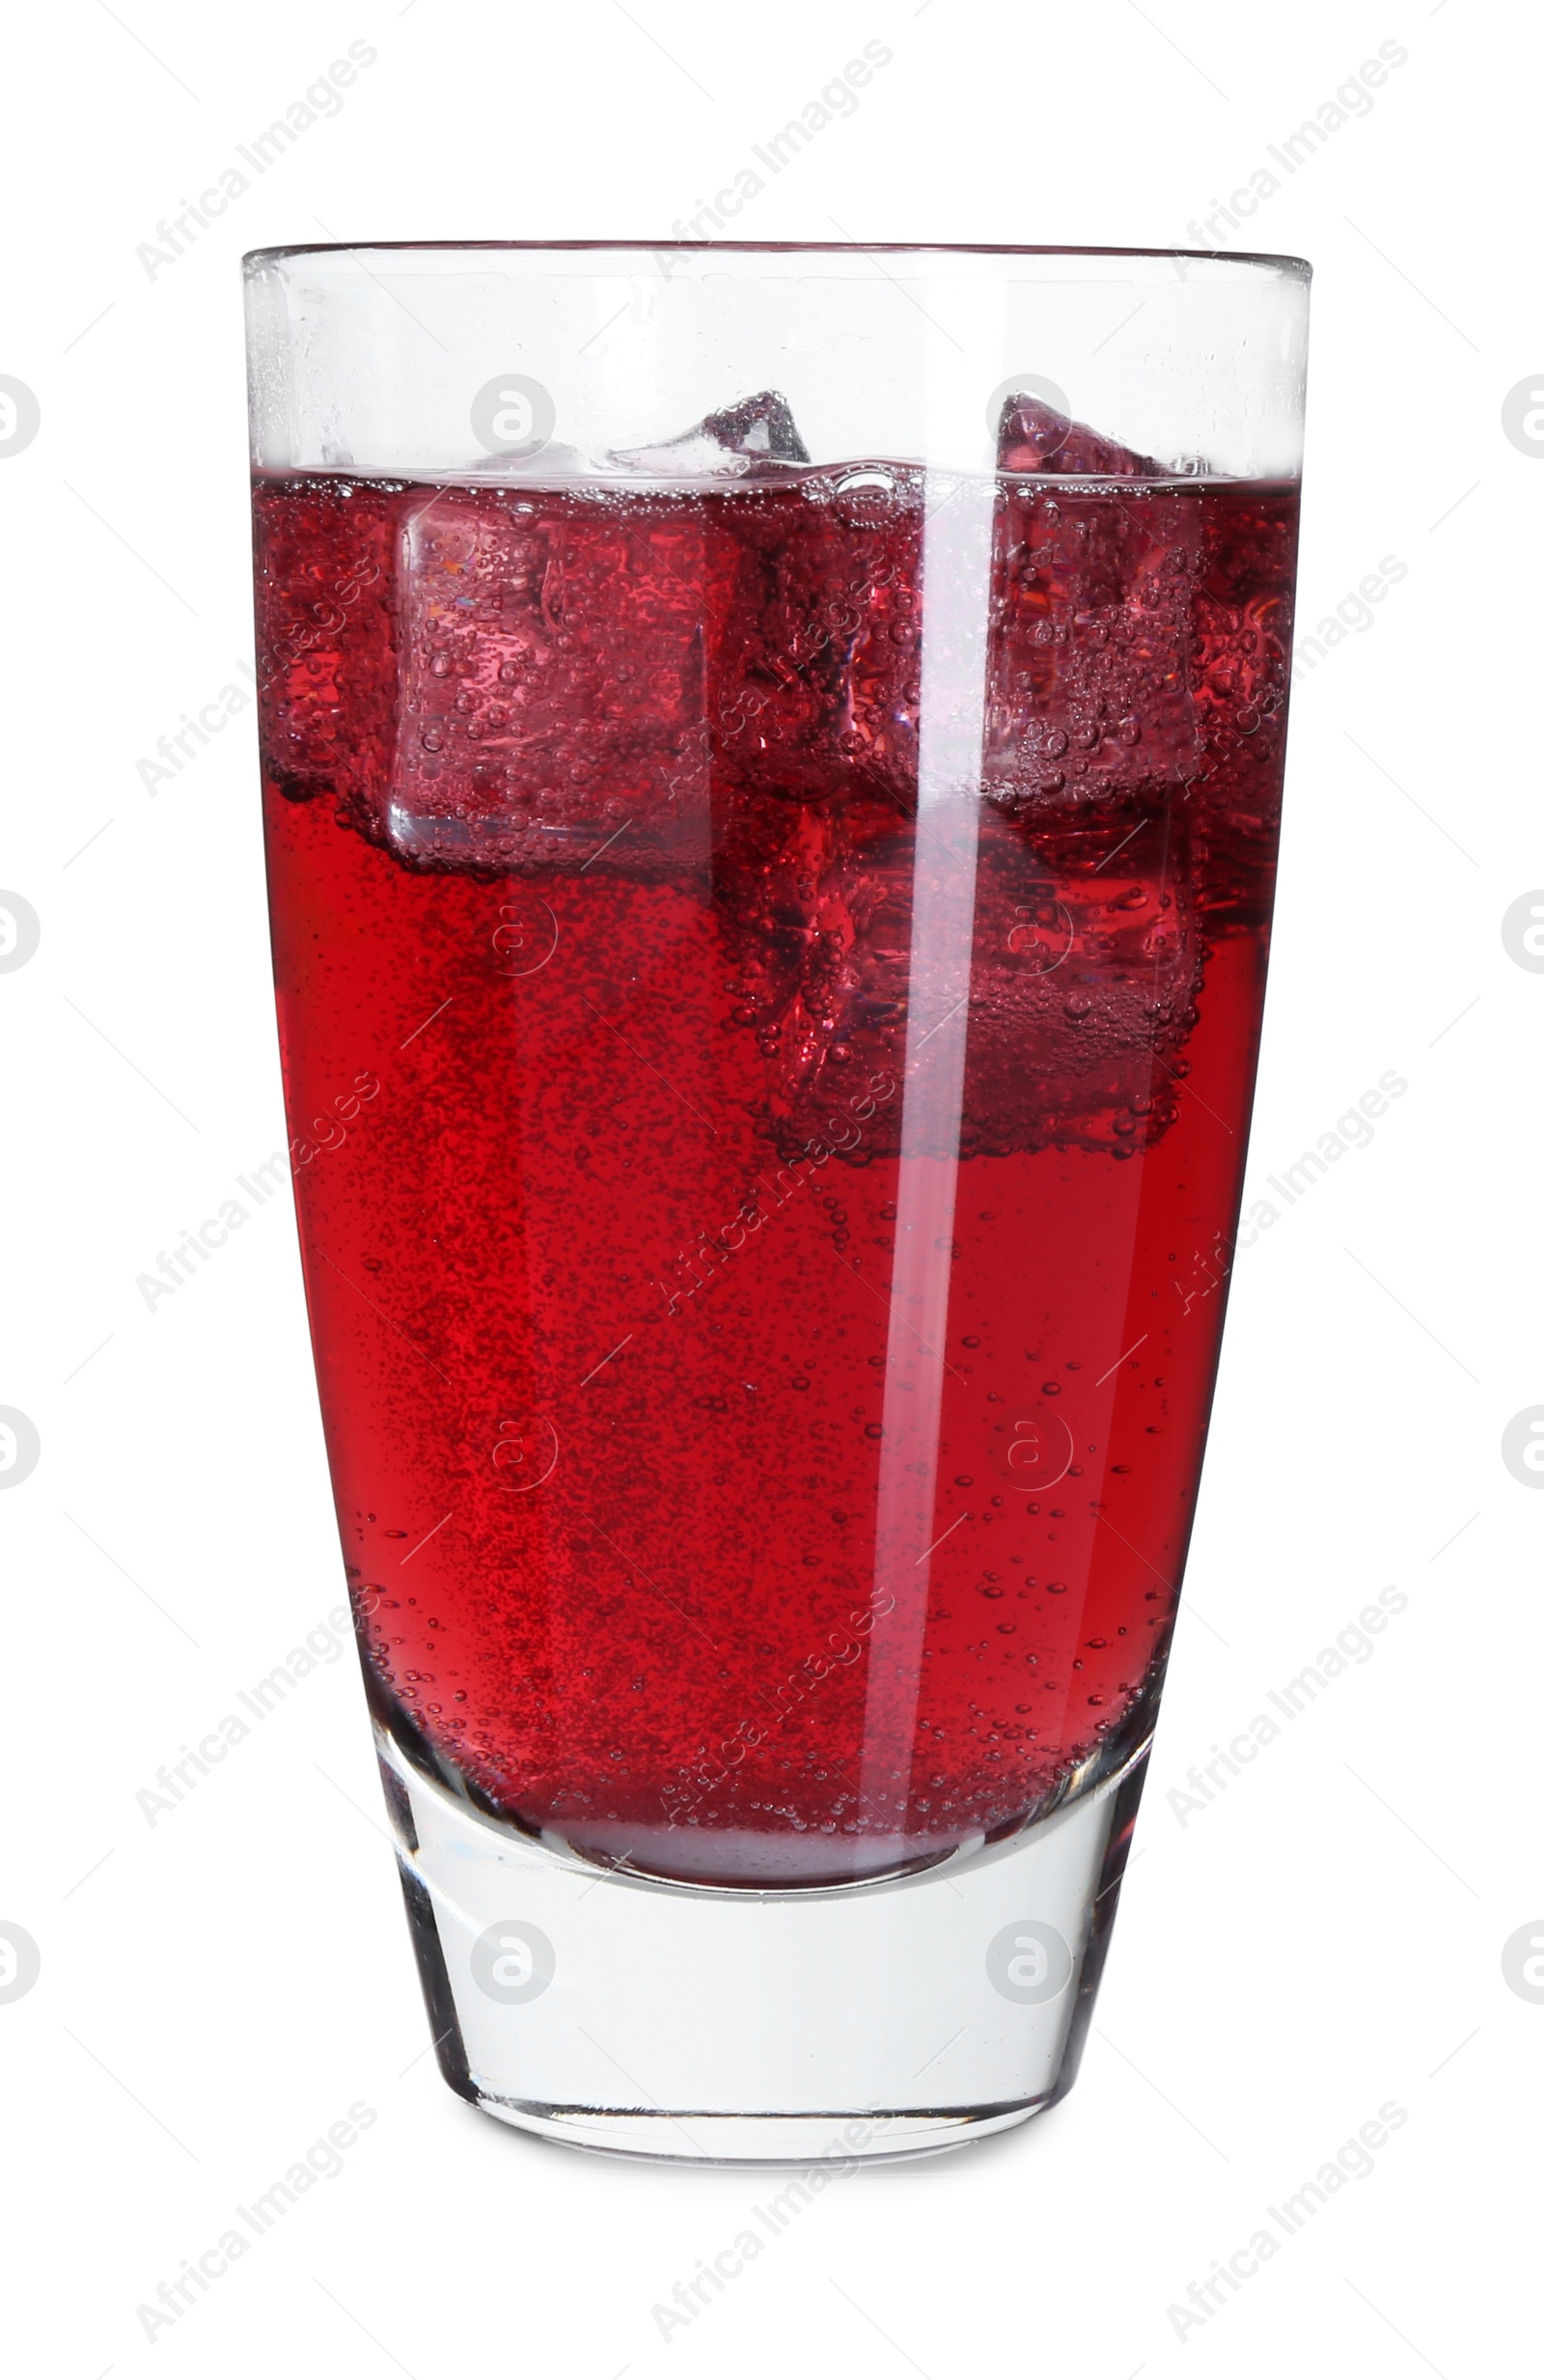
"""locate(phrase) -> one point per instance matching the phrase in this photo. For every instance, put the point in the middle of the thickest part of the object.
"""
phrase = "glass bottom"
(817, 2028)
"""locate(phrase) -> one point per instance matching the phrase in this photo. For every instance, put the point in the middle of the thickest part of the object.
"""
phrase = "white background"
(1327, 1935)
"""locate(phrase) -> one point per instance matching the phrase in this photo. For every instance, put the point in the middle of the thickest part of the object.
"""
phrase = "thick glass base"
(809, 2028)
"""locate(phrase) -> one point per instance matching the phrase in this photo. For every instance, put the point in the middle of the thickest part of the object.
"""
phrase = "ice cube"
(756, 436)
(326, 673)
(815, 669)
(814, 908)
(1086, 964)
(758, 433)
(1092, 630)
(551, 711)
(1085, 968)
(1241, 667)
(1034, 437)
(579, 660)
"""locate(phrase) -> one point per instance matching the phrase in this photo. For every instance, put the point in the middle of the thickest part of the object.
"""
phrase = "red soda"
(593, 841)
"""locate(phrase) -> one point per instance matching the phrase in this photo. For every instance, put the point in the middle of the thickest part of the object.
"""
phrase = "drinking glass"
(772, 760)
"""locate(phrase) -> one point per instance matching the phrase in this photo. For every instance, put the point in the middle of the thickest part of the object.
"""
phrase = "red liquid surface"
(678, 1521)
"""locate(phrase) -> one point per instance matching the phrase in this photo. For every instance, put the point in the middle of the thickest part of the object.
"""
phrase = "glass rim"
(1287, 266)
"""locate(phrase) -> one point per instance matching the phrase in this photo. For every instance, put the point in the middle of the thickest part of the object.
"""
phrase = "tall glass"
(772, 760)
